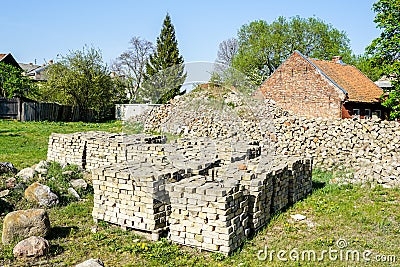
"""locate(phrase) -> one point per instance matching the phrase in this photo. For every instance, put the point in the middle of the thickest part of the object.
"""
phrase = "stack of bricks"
(260, 196)
(300, 175)
(196, 156)
(230, 150)
(258, 185)
(104, 150)
(119, 148)
(209, 215)
(133, 195)
(91, 150)
(280, 194)
(209, 193)
(67, 148)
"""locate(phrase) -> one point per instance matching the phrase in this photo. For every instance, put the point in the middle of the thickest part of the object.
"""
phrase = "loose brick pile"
(206, 193)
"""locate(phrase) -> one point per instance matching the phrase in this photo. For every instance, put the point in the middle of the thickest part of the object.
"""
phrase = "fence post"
(19, 116)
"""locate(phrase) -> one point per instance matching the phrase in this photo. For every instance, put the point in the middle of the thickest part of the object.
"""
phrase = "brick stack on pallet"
(260, 192)
(133, 195)
(209, 215)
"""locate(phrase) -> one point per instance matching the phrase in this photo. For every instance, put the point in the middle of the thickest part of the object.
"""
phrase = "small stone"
(41, 170)
(67, 172)
(26, 174)
(11, 182)
(64, 165)
(91, 263)
(7, 167)
(74, 193)
(4, 193)
(41, 194)
(298, 217)
(32, 247)
(42, 165)
(79, 184)
(20, 186)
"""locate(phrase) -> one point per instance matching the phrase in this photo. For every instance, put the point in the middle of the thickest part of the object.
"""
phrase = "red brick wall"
(298, 87)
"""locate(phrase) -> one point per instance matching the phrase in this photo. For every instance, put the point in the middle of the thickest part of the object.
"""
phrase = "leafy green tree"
(82, 79)
(364, 64)
(385, 49)
(263, 47)
(165, 71)
(13, 83)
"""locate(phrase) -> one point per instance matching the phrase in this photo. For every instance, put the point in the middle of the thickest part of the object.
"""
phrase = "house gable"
(301, 87)
(9, 59)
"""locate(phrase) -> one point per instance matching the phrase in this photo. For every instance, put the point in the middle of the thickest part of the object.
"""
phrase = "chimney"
(337, 59)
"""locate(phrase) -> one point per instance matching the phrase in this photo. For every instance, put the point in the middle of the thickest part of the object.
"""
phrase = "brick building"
(320, 88)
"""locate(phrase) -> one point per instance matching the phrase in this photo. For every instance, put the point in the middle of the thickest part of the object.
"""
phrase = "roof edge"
(326, 76)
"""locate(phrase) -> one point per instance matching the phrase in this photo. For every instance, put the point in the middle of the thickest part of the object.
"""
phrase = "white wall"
(125, 111)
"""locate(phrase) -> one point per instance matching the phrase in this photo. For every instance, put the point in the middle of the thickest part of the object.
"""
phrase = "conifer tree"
(165, 71)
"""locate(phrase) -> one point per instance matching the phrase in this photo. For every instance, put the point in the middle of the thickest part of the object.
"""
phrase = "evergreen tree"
(164, 71)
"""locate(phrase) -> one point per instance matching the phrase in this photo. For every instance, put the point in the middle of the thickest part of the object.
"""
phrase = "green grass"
(367, 219)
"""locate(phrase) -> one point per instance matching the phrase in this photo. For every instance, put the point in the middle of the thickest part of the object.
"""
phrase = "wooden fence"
(16, 108)
(9, 108)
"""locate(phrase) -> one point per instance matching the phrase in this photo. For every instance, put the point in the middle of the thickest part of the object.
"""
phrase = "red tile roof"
(2, 56)
(358, 86)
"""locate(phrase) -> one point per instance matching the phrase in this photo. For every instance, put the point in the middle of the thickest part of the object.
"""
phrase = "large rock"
(91, 263)
(7, 167)
(32, 247)
(25, 223)
(41, 194)
(26, 174)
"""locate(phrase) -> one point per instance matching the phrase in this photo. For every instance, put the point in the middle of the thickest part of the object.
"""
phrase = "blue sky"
(42, 29)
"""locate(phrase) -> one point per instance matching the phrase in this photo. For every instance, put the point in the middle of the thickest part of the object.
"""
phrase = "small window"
(376, 114)
(367, 114)
(356, 113)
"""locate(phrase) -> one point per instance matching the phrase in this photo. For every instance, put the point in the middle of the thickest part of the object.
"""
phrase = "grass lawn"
(353, 218)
